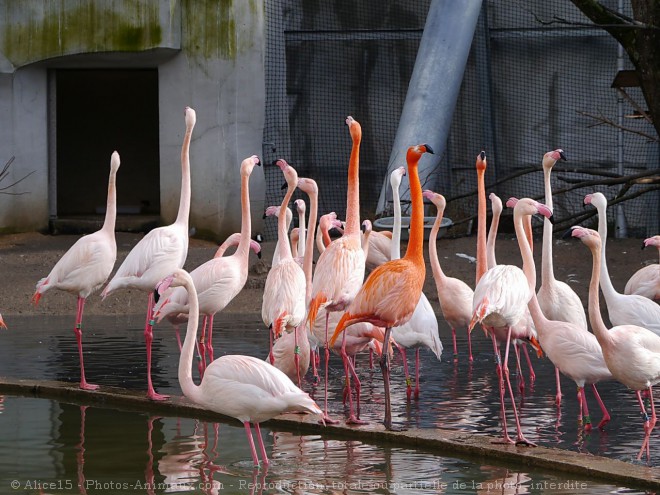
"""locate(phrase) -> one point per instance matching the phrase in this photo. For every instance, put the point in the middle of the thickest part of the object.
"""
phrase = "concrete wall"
(209, 56)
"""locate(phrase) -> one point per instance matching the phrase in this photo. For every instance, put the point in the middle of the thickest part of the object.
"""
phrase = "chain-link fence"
(539, 77)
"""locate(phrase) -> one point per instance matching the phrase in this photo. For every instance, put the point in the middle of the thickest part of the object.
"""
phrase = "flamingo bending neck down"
(242, 387)
(646, 281)
(454, 295)
(158, 253)
(632, 353)
(576, 353)
(622, 309)
(340, 268)
(391, 293)
(219, 280)
(500, 302)
(86, 266)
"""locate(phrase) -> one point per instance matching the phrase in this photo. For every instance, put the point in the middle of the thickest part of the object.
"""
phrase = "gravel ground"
(27, 257)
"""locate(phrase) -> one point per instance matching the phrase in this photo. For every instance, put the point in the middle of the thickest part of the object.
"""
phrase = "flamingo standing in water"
(500, 303)
(283, 306)
(646, 281)
(87, 264)
(556, 298)
(158, 253)
(219, 280)
(243, 387)
(391, 293)
(422, 329)
(454, 295)
(632, 353)
(573, 351)
(622, 309)
(340, 268)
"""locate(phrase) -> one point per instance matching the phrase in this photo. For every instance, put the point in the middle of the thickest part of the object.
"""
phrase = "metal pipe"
(620, 225)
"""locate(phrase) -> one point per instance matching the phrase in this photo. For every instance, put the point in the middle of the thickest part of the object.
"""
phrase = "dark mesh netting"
(538, 78)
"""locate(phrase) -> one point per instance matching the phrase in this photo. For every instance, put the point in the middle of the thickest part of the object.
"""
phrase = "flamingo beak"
(429, 149)
(562, 156)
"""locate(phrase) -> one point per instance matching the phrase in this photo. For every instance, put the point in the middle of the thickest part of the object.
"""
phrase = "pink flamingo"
(87, 264)
(573, 351)
(622, 309)
(275, 211)
(500, 303)
(380, 248)
(158, 253)
(454, 295)
(556, 298)
(646, 281)
(422, 329)
(283, 304)
(301, 209)
(340, 268)
(242, 387)
(219, 280)
(391, 293)
(632, 353)
(327, 222)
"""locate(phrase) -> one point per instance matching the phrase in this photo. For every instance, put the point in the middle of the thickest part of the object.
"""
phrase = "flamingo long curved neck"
(184, 201)
(595, 318)
(243, 249)
(415, 249)
(492, 237)
(111, 204)
(302, 233)
(308, 259)
(605, 282)
(481, 217)
(547, 270)
(395, 249)
(353, 193)
(189, 388)
(438, 274)
(285, 247)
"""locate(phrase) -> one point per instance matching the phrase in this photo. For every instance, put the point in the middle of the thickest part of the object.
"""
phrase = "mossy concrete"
(441, 441)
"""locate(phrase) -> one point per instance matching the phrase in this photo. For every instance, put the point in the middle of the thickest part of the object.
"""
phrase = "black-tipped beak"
(362, 228)
(482, 155)
(156, 295)
(429, 149)
(259, 255)
(562, 155)
(284, 186)
(258, 162)
(274, 162)
(552, 219)
(643, 246)
(567, 234)
(264, 216)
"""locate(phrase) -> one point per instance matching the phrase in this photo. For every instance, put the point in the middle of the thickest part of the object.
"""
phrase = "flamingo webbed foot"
(353, 420)
(153, 395)
(88, 386)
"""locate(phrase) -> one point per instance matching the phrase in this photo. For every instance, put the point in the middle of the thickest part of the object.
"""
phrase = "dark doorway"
(97, 112)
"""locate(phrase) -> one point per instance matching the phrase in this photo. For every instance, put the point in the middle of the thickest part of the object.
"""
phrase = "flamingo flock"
(333, 306)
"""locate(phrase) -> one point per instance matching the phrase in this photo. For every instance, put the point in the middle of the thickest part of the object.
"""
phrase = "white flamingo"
(646, 281)
(219, 280)
(327, 222)
(632, 353)
(573, 351)
(422, 328)
(556, 298)
(242, 387)
(275, 211)
(622, 309)
(158, 253)
(85, 267)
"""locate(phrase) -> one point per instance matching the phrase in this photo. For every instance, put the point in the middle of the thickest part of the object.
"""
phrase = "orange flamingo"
(340, 268)
(390, 294)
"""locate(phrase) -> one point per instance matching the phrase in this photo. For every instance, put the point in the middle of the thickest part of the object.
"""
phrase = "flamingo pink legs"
(148, 338)
(649, 424)
(253, 450)
(78, 331)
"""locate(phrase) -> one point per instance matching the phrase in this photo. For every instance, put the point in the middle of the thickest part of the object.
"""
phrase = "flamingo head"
(552, 157)
(248, 164)
(191, 117)
(114, 162)
(2, 323)
(481, 162)
(290, 174)
(415, 152)
(366, 226)
(596, 199)
(496, 203)
(300, 206)
(255, 247)
(179, 278)
(307, 185)
(272, 211)
(355, 128)
(527, 206)
(396, 176)
(652, 241)
(589, 237)
(294, 235)
(437, 199)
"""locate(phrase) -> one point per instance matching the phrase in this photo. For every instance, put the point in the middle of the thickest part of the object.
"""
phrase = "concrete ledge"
(440, 441)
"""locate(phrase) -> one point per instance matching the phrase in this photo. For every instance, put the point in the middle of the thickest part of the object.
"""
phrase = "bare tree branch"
(603, 120)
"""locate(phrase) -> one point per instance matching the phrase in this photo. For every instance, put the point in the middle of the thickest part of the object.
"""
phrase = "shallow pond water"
(453, 395)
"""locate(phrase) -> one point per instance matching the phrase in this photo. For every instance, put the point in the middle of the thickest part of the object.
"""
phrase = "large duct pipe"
(434, 86)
